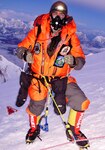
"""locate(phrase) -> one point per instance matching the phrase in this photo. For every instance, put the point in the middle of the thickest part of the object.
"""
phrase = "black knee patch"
(59, 88)
(61, 103)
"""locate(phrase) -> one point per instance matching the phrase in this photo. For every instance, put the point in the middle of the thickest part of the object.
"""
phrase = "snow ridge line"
(62, 144)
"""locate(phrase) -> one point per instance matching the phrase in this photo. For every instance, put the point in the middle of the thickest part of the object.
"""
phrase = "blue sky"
(90, 13)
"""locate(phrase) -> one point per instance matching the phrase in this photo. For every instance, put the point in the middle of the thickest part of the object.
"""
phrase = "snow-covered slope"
(8, 70)
(14, 127)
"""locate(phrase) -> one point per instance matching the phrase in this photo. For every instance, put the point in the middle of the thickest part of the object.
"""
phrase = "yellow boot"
(74, 121)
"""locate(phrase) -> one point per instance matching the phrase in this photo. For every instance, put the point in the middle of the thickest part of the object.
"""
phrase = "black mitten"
(25, 81)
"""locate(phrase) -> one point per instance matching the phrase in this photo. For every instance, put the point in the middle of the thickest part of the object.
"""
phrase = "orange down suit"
(43, 65)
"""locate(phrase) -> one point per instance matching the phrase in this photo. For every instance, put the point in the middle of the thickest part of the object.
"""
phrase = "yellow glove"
(23, 53)
(69, 59)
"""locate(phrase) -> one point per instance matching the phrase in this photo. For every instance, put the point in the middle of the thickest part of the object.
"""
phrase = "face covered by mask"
(57, 20)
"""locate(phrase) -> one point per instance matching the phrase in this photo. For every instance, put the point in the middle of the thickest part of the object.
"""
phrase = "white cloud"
(17, 15)
(98, 4)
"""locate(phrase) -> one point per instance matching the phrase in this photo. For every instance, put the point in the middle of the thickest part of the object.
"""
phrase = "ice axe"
(44, 117)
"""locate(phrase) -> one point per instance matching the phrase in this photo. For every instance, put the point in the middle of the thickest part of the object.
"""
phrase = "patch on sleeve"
(59, 62)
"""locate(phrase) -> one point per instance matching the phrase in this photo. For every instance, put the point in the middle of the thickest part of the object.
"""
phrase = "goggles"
(57, 13)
